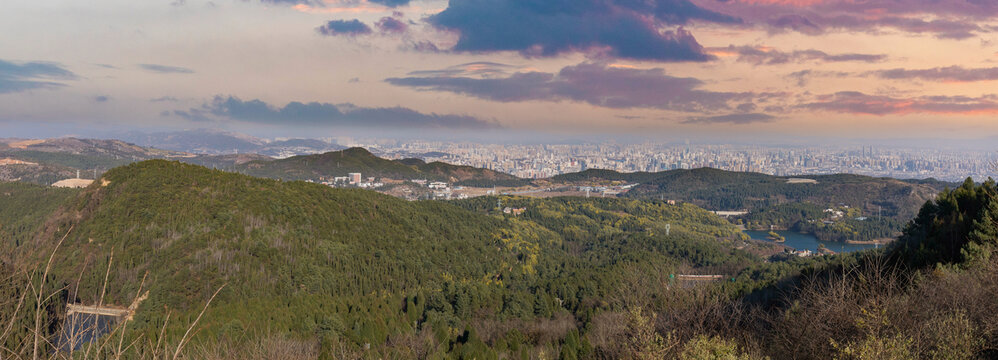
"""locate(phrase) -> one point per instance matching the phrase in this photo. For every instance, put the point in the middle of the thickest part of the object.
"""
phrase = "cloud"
(165, 69)
(17, 77)
(804, 76)
(164, 99)
(738, 119)
(423, 46)
(949, 73)
(944, 19)
(479, 68)
(852, 102)
(325, 114)
(390, 25)
(596, 84)
(102, 98)
(391, 3)
(290, 2)
(761, 55)
(193, 115)
(618, 28)
(344, 27)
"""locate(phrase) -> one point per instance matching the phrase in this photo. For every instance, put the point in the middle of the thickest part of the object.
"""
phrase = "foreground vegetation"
(298, 270)
(356, 273)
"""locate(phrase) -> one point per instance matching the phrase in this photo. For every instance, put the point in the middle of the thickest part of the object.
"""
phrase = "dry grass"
(47, 306)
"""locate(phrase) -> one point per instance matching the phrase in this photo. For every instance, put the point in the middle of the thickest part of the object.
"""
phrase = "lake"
(800, 241)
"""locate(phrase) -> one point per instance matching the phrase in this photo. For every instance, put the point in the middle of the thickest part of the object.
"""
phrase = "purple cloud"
(325, 114)
(802, 77)
(852, 102)
(391, 25)
(738, 119)
(595, 84)
(165, 69)
(391, 3)
(949, 73)
(478, 68)
(17, 77)
(945, 19)
(618, 28)
(344, 27)
(759, 55)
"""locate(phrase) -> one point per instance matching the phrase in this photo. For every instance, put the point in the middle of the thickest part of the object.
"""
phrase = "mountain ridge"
(360, 160)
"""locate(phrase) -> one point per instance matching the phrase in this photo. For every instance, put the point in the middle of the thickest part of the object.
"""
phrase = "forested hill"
(345, 270)
(717, 189)
(309, 271)
(45, 161)
(359, 160)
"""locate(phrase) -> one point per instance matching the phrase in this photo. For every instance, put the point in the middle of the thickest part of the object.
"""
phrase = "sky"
(736, 69)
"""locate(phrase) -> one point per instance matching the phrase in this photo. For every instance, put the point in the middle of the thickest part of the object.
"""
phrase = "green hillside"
(359, 160)
(56, 159)
(797, 203)
(342, 268)
(307, 271)
(729, 190)
(24, 207)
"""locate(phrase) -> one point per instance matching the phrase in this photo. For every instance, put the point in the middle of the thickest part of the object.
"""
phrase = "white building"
(437, 185)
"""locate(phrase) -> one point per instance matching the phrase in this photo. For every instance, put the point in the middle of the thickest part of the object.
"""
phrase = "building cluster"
(356, 180)
(546, 160)
(433, 189)
(606, 190)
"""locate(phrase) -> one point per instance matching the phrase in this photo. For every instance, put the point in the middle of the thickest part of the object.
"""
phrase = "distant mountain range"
(730, 190)
(46, 161)
(215, 142)
(49, 160)
(359, 160)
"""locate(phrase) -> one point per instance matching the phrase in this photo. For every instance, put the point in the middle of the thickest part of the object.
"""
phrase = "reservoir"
(800, 241)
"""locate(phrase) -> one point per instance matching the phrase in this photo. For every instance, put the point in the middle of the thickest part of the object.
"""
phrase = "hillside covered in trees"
(49, 160)
(359, 160)
(716, 189)
(300, 270)
(346, 270)
(45, 161)
(881, 205)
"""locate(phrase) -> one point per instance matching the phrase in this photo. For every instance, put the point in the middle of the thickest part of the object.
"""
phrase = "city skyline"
(543, 161)
(704, 69)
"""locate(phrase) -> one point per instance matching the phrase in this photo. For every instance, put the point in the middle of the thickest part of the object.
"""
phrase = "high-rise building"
(355, 178)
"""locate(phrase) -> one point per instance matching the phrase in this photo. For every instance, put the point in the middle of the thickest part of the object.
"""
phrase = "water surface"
(800, 241)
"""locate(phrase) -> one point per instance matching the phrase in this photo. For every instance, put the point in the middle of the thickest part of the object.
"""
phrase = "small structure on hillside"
(514, 211)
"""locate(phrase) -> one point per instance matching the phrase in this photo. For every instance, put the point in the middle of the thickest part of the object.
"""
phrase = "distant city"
(541, 161)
